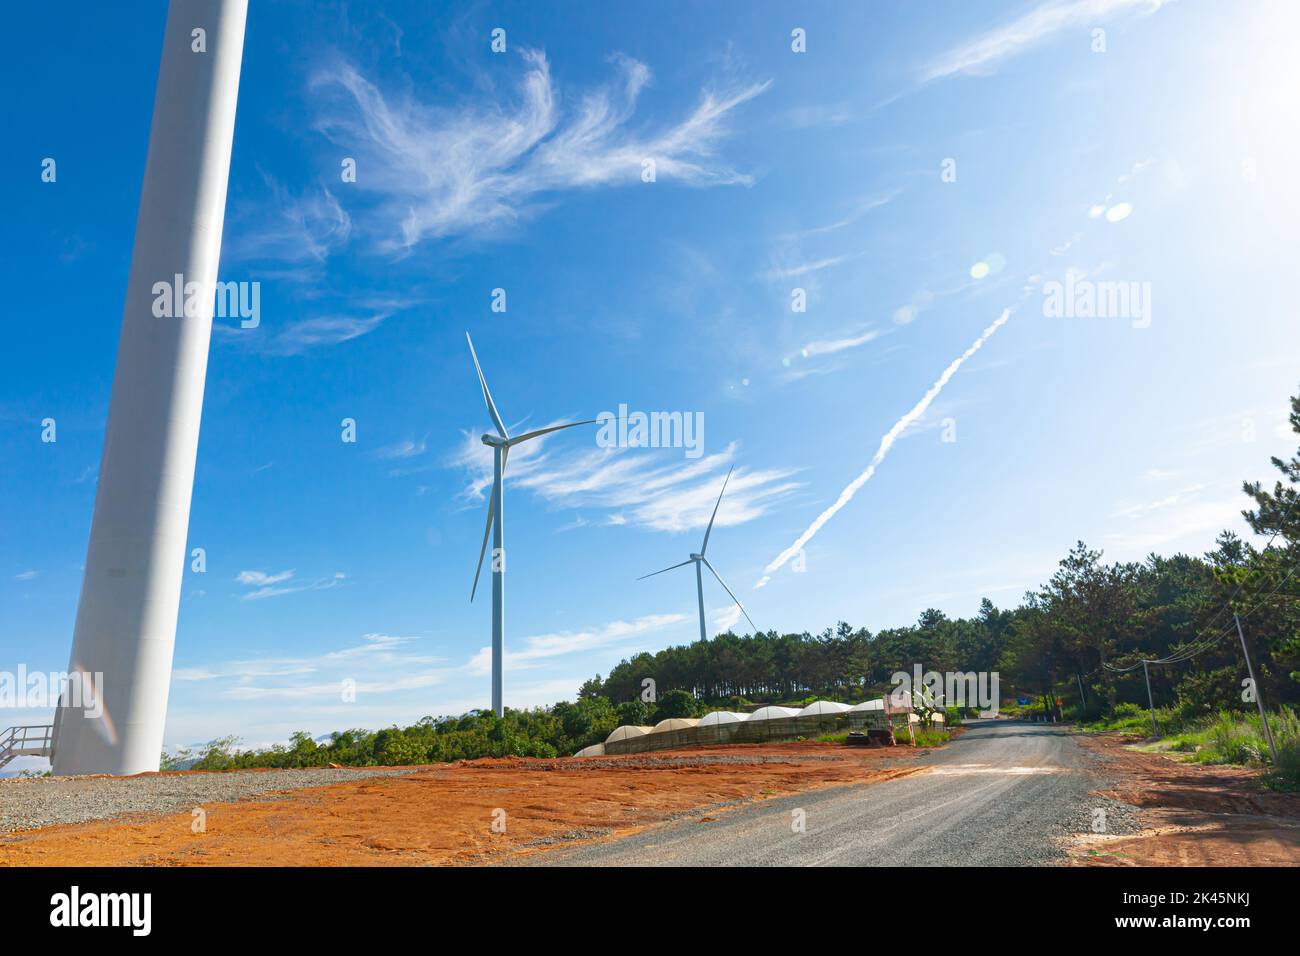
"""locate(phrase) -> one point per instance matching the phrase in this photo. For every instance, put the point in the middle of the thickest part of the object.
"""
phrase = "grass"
(1228, 737)
(924, 738)
(931, 737)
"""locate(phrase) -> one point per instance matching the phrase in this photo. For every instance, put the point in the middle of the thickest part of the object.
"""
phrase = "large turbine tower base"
(130, 591)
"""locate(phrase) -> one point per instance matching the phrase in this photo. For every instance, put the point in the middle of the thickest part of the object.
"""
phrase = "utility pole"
(1150, 703)
(1259, 699)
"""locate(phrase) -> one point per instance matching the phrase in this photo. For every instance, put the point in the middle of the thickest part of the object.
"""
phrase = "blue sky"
(1166, 160)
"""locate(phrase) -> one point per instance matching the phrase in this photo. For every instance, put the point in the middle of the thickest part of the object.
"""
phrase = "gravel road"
(26, 804)
(997, 795)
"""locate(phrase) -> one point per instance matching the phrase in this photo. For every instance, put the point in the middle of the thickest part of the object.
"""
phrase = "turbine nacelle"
(494, 441)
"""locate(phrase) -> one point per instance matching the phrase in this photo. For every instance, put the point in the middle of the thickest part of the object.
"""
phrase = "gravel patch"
(28, 804)
(1101, 815)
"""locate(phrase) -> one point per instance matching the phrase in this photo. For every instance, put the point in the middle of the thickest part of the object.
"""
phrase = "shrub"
(675, 703)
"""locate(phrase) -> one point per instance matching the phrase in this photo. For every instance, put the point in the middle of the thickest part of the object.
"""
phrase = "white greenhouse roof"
(877, 704)
(721, 717)
(626, 731)
(773, 713)
(674, 723)
(820, 707)
(595, 750)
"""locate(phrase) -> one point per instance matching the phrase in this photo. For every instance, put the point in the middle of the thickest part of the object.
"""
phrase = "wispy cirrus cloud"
(543, 646)
(982, 54)
(438, 171)
(268, 585)
(299, 336)
(831, 346)
(289, 227)
(410, 448)
(379, 664)
(794, 270)
(635, 486)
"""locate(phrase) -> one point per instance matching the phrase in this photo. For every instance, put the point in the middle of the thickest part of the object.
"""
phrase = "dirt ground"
(1191, 814)
(445, 814)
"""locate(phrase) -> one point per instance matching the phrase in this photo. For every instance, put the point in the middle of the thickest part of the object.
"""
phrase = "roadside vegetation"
(1072, 650)
(1227, 737)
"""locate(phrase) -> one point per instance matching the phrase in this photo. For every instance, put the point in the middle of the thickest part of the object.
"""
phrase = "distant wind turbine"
(500, 443)
(700, 559)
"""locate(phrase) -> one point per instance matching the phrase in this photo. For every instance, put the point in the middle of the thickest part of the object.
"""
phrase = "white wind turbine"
(700, 559)
(500, 443)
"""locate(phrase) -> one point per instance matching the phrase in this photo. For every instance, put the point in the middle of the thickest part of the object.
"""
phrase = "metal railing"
(33, 740)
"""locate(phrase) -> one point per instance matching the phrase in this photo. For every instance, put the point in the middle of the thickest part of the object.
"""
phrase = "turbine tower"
(500, 443)
(700, 560)
(130, 591)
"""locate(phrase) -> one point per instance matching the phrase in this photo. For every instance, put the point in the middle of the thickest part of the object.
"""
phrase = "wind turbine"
(700, 559)
(500, 443)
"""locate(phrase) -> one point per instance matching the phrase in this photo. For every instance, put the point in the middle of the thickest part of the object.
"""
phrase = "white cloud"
(26, 575)
(265, 584)
(403, 449)
(543, 646)
(379, 660)
(856, 213)
(831, 346)
(304, 334)
(1191, 520)
(982, 54)
(438, 171)
(1169, 501)
(286, 227)
(261, 577)
(804, 268)
(640, 486)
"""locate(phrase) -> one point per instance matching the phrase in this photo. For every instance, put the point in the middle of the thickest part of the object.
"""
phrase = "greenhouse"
(819, 707)
(674, 723)
(627, 732)
(769, 724)
(721, 717)
(773, 713)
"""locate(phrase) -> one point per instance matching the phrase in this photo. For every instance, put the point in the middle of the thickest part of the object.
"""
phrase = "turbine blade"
(487, 396)
(487, 531)
(544, 431)
(669, 568)
(733, 597)
(709, 529)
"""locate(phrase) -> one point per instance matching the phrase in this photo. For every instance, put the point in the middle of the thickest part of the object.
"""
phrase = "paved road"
(997, 795)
